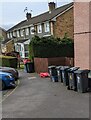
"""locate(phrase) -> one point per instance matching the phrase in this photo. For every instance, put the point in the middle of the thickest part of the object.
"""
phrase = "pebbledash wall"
(82, 34)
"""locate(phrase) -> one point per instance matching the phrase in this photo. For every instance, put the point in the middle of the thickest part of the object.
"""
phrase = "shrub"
(8, 61)
(51, 47)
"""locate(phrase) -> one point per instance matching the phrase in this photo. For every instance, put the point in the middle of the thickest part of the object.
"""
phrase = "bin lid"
(64, 67)
(82, 71)
(72, 69)
(52, 66)
(58, 67)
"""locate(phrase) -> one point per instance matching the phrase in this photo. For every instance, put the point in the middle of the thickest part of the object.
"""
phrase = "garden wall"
(41, 64)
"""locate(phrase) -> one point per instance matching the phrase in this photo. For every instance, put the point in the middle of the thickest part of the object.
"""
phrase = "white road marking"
(32, 78)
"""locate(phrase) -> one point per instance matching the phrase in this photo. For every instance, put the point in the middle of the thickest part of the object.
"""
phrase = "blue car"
(6, 80)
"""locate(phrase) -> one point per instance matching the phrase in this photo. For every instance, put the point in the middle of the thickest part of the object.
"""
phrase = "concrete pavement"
(38, 97)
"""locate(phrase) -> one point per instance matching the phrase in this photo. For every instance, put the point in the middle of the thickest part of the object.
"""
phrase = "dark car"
(13, 71)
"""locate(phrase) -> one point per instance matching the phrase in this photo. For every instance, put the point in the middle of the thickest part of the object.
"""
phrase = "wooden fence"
(41, 64)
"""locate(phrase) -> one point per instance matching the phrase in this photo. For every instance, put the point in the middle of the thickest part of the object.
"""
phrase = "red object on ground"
(44, 74)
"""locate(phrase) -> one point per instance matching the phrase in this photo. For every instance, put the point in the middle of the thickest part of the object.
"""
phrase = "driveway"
(37, 97)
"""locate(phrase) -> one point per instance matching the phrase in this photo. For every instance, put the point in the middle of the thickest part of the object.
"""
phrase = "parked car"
(13, 71)
(6, 80)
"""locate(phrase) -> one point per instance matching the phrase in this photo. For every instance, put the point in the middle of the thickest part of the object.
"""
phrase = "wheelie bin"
(65, 75)
(72, 78)
(28, 66)
(53, 73)
(59, 73)
(82, 80)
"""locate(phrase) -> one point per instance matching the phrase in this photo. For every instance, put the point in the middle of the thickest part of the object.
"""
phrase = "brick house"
(7, 45)
(3, 33)
(56, 22)
(3, 36)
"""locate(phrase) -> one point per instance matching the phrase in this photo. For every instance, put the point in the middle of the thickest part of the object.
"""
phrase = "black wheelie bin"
(59, 73)
(53, 73)
(82, 80)
(65, 75)
(72, 78)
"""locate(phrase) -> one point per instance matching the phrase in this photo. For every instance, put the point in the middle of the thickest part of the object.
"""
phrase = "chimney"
(28, 16)
(52, 6)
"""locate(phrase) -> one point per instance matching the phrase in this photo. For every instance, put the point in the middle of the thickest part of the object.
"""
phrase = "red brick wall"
(41, 64)
(64, 24)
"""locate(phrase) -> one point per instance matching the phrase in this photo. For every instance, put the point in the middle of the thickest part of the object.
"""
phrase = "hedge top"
(8, 57)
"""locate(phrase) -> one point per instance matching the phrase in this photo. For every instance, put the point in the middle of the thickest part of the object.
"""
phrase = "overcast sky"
(12, 13)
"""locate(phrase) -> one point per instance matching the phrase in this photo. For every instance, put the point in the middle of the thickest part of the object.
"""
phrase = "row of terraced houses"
(73, 19)
(56, 22)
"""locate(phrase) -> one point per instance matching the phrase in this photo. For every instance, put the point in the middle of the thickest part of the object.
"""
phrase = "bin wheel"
(88, 90)
(68, 88)
(75, 89)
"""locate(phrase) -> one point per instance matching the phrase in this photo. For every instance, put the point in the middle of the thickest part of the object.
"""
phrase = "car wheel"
(3, 86)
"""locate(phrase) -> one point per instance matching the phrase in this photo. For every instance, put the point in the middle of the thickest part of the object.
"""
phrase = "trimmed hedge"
(47, 47)
(8, 61)
(53, 51)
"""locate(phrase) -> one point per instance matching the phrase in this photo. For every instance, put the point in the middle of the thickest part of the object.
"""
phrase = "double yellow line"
(9, 93)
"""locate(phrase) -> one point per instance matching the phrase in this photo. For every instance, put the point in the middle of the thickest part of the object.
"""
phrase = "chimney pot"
(28, 15)
(52, 6)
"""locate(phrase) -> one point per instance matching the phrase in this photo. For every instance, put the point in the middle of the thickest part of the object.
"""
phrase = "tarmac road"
(37, 97)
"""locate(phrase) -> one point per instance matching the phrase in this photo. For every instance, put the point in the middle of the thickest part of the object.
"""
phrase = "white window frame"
(22, 32)
(18, 34)
(14, 33)
(46, 26)
(32, 28)
(8, 36)
(39, 28)
(27, 31)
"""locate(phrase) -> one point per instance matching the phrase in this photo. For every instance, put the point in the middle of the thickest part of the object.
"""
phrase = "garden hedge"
(8, 61)
(47, 47)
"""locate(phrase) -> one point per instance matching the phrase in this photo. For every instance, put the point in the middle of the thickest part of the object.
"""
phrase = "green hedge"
(8, 61)
(51, 47)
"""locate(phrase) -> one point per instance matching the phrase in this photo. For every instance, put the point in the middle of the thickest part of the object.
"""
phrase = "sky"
(12, 13)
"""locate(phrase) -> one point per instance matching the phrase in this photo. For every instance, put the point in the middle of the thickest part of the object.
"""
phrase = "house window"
(22, 32)
(46, 27)
(18, 35)
(19, 48)
(26, 54)
(14, 34)
(27, 31)
(26, 47)
(32, 30)
(39, 28)
(8, 35)
(26, 50)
